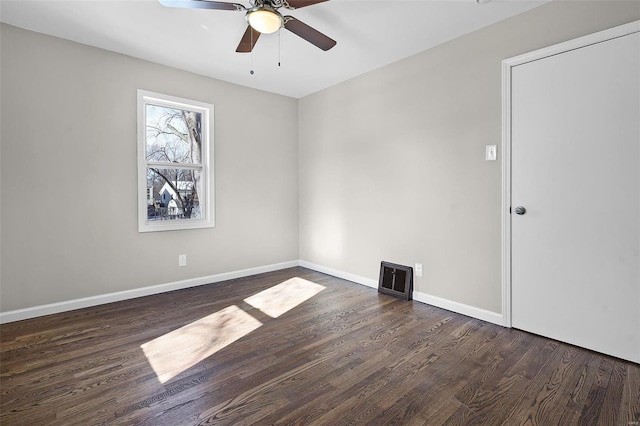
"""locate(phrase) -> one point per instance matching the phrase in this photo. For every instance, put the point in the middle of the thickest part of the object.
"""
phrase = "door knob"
(520, 210)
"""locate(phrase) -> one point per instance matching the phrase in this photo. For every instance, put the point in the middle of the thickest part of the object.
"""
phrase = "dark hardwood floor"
(345, 356)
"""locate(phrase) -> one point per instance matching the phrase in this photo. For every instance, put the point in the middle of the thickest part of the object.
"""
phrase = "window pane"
(173, 135)
(174, 171)
(173, 194)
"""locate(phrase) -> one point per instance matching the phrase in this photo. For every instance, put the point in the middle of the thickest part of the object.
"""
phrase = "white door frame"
(507, 65)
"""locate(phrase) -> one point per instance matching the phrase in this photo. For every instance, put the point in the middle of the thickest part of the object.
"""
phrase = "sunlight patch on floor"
(285, 296)
(174, 352)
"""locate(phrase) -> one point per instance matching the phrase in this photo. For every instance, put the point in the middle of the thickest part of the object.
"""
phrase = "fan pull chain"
(279, 39)
(251, 51)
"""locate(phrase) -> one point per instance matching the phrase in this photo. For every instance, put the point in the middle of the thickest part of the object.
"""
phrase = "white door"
(575, 168)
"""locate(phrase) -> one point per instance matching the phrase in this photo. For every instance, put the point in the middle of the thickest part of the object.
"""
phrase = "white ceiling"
(370, 34)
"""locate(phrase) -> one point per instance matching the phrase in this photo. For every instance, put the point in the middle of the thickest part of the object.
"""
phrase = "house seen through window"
(174, 147)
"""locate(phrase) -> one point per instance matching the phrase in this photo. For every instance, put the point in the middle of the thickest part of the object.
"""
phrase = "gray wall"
(392, 163)
(389, 166)
(68, 172)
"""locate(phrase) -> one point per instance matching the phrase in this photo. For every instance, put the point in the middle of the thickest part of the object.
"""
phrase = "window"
(175, 188)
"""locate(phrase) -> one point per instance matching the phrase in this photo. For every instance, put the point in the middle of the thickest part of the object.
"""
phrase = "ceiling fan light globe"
(264, 20)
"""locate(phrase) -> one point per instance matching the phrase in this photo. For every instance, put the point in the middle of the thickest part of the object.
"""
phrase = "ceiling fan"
(263, 17)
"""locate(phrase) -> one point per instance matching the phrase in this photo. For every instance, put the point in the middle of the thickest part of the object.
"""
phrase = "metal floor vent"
(396, 280)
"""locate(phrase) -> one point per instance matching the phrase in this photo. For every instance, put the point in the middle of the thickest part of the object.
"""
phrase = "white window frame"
(206, 200)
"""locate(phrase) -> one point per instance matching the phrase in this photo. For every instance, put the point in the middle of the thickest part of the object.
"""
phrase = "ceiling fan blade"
(308, 33)
(248, 40)
(297, 4)
(202, 4)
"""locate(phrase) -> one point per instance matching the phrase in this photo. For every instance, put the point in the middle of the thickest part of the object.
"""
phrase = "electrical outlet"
(182, 260)
(418, 269)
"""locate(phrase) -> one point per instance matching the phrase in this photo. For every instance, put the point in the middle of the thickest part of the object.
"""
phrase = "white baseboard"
(450, 305)
(460, 308)
(85, 302)
(340, 274)
(54, 308)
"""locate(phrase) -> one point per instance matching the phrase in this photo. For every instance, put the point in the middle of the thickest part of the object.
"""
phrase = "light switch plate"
(491, 152)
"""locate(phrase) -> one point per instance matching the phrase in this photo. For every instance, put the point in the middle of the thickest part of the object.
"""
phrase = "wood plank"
(610, 413)
(348, 355)
(630, 403)
(545, 400)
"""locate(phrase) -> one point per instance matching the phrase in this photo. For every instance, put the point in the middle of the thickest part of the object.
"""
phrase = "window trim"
(207, 204)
